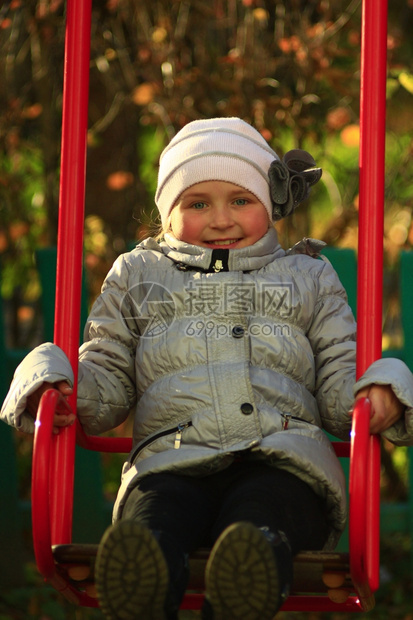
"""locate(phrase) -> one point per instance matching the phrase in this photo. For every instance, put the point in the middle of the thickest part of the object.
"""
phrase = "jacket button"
(247, 408)
(238, 331)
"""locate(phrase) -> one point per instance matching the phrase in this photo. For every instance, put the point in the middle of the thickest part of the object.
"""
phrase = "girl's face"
(219, 215)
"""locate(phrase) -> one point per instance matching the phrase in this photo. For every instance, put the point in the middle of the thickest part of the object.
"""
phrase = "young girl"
(235, 356)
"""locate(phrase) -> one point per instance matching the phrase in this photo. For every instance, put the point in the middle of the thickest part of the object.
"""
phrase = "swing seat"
(323, 581)
(327, 574)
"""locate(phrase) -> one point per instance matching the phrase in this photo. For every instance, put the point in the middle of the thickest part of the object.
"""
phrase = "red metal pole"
(370, 246)
(371, 199)
(70, 239)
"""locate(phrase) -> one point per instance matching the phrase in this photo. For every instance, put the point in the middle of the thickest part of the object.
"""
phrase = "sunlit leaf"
(143, 94)
(392, 86)
(406, 80)
(119, 180)
(350, 135)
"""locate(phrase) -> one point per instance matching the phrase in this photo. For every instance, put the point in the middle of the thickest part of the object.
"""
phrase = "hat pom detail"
(290, 181)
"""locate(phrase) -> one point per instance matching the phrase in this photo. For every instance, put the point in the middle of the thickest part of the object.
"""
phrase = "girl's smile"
(219, 215)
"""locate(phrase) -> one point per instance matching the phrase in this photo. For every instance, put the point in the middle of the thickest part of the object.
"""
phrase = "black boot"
(131, 574)
(178, 569)
(248, 574)
(284, 559)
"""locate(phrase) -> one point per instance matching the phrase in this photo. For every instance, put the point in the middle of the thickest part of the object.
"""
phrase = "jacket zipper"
(169, 431)
(287, 417)
(178, 436)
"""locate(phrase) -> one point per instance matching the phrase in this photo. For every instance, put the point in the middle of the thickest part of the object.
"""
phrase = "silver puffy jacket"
(258, 358)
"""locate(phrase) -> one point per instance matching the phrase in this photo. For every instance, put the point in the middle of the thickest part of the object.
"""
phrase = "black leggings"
(193, 511)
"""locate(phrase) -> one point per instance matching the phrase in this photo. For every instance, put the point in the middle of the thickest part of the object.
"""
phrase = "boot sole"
(241, 575)
(131, 574)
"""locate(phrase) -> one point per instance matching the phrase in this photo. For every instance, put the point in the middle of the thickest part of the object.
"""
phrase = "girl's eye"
(198, 205)
(240, 202)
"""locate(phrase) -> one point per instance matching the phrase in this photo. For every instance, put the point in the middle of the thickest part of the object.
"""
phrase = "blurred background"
(291, 69)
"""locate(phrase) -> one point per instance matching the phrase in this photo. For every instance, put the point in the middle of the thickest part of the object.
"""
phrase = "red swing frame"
(53, 455)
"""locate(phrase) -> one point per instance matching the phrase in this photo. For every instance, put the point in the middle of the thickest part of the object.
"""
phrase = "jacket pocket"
(178, 430)
(287, 417)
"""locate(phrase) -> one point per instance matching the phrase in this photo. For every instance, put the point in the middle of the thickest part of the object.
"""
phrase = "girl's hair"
(159, 230)
(154, 228)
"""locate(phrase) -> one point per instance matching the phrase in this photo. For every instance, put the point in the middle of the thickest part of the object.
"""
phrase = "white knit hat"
(217, 149)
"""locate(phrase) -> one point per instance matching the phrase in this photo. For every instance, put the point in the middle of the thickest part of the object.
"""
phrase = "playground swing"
(323, 581)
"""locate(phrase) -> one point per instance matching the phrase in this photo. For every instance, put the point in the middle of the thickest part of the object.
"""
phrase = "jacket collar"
(245, 259)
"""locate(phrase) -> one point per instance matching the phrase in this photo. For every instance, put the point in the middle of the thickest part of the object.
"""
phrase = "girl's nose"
(222, 217)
